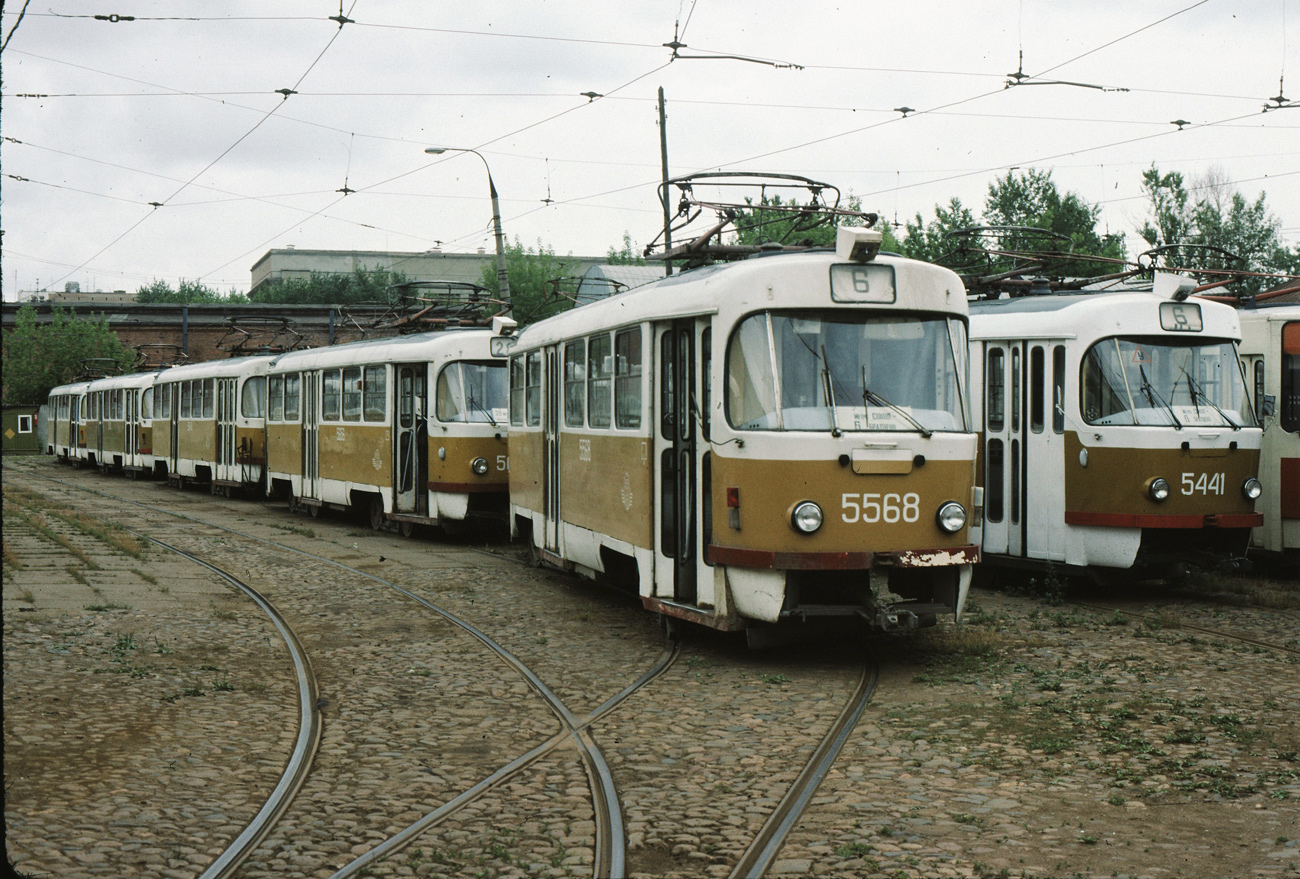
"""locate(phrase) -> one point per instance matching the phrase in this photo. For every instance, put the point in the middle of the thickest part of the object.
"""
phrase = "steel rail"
(610, 855)
(758, 858)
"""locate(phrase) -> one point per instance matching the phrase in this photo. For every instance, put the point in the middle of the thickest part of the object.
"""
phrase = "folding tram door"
(1024, 449)
(410, 441)
(226, 408)
(681, 453)
(551, 485)
(310, 435)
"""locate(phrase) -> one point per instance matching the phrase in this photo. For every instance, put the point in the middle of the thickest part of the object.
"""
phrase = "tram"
(1270, 353)
(209, 423)
(66, 434)
(758, 442)
(120, 438)
(410, 429)
(1116, 431)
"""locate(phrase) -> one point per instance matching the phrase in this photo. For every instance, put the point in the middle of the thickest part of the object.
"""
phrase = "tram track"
(762, 852)
(1191, 627)
(609, 855)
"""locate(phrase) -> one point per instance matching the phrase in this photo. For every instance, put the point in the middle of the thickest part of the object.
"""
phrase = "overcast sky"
(180, 108)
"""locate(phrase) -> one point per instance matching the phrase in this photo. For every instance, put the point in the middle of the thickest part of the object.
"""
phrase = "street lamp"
(503, 279)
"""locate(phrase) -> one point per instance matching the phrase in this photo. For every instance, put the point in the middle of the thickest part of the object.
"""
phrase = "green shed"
(20, 433)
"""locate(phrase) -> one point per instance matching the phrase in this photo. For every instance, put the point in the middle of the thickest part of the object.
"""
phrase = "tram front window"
(473, 392)
(840, 370)
(1153, 381)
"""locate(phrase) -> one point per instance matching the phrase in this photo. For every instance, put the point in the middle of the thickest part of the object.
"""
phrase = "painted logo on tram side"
(873, 507)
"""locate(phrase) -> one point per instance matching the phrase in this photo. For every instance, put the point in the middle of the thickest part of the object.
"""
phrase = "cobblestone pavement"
(149, 709)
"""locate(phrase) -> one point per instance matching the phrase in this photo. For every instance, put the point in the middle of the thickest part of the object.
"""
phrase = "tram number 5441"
(1207, 483)
(873, 507)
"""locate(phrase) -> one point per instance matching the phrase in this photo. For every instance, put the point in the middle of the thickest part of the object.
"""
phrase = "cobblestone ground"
(149, 709)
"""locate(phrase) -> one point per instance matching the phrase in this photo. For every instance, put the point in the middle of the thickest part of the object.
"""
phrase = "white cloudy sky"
(180, 107)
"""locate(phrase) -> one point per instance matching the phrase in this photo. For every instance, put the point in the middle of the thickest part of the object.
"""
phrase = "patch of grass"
(774, 680)
(224, 614)
(110, 606)
(222, 685)
(295, 529)
(27, 596)
(148, 578)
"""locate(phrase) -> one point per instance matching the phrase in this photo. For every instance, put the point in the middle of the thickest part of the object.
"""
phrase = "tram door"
(99, 412)
(1003, 447)
(225, 428)
(411, 444)
(174, 447)
(676, 440)
(551, 448)
(310, 434)
(131, 442)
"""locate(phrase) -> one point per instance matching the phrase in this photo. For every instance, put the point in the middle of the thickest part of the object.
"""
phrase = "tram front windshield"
(1156, 381)
(473, 392)
(846, 371)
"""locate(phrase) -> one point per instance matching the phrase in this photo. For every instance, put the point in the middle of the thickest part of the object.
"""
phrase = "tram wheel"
(534, 554)
(313, 510)
(376, 511)
(407, 529)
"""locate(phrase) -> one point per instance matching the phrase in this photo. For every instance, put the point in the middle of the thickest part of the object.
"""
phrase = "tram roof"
(743, 286)
(413, 348)
(128, 380)
(70, 388)
(1056, 315)
(235, 366)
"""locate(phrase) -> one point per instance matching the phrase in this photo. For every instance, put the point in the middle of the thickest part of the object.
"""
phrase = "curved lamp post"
(503, 279)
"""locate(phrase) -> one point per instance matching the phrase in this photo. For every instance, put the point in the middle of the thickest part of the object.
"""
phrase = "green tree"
(187, 293)
(40, 356)
(628, 256)
(325, 288)
(927, 241)
(528, 271)
(1031, 199)
(757, 226)
(1220, 218)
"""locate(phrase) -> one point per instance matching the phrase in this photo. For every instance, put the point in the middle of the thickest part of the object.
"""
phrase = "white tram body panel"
(66, 434)
(123, 437)
(1270, 352)
(209, 422)
(724, 437)
(1091, 406)
(410, 428)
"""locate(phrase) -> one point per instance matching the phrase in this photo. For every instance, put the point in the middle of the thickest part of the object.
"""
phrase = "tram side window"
(575, 385)
(275, 398)
(997, 390)
(627, 379)
(993, 483)
(209, 396)
(1289, 412)
(1015, 389)
(85, 407)
(352, 393)
(164, 401)
(517, 390)
(331, 380)
(1037, 380)
(1058, 389)
(1259, 390)
(119, 405)
(375, 404)
(533, 389)
(253, 404)
(146, 405)
(292, 396)
(599, 368)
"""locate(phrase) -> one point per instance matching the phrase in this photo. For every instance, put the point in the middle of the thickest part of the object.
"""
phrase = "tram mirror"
(1267, 404)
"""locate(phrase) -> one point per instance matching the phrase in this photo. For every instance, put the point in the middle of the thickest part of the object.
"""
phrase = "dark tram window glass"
(376, 393)
(600, 369)
(1037, 380)
(331, 394)
(275, 398)
(993, 468)
(575, 383)
(1289, 405)
(627, 379)
(517, 391)
(997, 390)
(292, 396)
(1058, 389)
(352, 393)
(1015, 389)
(1015, 481)
(533, 389)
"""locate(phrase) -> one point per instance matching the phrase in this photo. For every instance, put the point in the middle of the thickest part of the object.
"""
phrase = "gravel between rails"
(1034, 739)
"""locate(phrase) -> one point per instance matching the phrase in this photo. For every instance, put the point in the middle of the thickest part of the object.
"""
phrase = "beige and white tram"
(761, 441)
(66, 433)
(411, 429)
(209, 423)
(1270, 352)
(1117, 431)
(120, 438)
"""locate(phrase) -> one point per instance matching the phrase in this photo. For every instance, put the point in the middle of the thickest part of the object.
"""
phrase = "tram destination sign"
(1180, 317)
(863, 283)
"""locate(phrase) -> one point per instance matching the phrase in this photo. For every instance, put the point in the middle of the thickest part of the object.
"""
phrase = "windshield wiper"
(475, 404)
(1153, 395)
(1197, 391)
(830, 393)
(869, 395)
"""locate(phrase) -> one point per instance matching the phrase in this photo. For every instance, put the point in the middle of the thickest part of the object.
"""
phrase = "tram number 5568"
(872, 508)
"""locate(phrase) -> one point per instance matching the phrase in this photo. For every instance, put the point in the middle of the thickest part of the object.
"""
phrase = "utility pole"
(663, 154)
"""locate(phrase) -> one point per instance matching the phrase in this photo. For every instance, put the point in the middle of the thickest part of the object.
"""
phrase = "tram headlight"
(951, 517)
(1158, 489)
(1252, 488)
(479, 466)
(806, 517)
